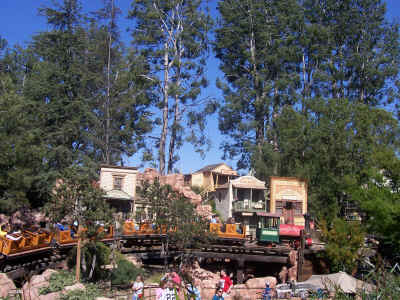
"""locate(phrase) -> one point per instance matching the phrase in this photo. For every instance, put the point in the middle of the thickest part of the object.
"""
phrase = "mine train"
(39, 245)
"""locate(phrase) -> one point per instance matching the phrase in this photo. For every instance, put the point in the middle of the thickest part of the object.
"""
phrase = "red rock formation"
(176, 181)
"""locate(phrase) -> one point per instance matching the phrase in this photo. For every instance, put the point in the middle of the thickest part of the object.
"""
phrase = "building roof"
(118, 167)
(249, 182)
(211, 168)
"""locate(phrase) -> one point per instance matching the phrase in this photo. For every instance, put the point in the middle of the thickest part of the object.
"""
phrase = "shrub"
(57, 282)
(90, 293)
(125, 272)
(89, 250)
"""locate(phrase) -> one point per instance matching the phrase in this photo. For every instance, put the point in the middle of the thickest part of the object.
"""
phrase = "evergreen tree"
(21, 147)
(328, 124)
(120, 98)
(57, 85)
(173, 37)
(256, 44)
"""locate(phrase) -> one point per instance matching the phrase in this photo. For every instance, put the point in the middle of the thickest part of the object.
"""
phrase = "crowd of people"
(172, 285)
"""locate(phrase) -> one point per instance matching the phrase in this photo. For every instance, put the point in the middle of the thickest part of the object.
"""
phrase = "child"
(218, 295)
(160, 290)
(138, 288)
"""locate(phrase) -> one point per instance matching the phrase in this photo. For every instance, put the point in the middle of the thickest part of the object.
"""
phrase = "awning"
(247, 214)
(266, 214)
(248, 186)
(117, 195)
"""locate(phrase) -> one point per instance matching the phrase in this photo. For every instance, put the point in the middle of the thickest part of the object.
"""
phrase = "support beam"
(239, 272)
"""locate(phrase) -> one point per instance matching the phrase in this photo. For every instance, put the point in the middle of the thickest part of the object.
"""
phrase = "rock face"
(6, 285)
(74, 287)
(204, 211)
(176, 181)
(134, 259)
(31, 289)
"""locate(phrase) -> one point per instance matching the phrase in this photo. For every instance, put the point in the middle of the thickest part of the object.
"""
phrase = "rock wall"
(6, 285)
(176, 181)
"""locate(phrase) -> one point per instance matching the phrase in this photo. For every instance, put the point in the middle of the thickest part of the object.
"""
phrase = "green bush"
(125, 272)
(88, 251)
(57, 282)
(90, 293)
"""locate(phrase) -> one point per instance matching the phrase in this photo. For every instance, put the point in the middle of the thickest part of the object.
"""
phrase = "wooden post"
(300, 258)
(78, 256)
(239, 272)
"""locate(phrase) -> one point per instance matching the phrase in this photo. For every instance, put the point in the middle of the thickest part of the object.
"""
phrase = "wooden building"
(210, 177)
(119, 184)
(288, 198)
(242, 198)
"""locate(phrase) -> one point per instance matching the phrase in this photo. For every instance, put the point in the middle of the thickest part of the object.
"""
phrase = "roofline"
(288, 178)
(118, 167)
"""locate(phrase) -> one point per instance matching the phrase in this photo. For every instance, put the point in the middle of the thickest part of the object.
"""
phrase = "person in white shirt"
(138, 288)
(170, 292)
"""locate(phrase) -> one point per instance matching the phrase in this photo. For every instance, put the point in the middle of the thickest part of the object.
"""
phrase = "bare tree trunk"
(164, 131)
(258, 105)
(78, 256)
(177, 116)
(173, 135)
(108, 100)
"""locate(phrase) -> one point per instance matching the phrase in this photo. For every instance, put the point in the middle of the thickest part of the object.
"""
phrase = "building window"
(117, 184)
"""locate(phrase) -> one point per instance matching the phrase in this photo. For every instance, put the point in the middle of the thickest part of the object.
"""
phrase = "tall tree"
(257, 50)
(21, 148)
(57, 86)
(120, 98)
(173, 36)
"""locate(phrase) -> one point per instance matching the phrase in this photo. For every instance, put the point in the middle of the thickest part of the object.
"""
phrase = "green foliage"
(92, 252)
(343, 243)
(125, 273)
(173, 38)
(175, 213)
(57, 282)
(76, 196)
(91, 292)
(381, 206)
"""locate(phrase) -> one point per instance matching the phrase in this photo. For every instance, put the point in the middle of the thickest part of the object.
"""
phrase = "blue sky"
(19, 20)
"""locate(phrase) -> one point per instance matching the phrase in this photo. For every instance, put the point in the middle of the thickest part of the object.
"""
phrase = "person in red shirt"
(227, 283)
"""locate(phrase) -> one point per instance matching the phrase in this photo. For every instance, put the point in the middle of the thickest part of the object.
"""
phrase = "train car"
(268, 228)
(27, 241)
(229, 233)
(271, 231)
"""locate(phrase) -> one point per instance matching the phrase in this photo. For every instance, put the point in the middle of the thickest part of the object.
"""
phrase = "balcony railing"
(251, 207)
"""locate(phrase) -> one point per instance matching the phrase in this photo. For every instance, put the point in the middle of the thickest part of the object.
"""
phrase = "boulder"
(259, 282)
(50, 296)
(6, 285)
(47, 274)
(293, 257)
(32, 288)
(74, 287)
(283, 274)
(136, 261)
(292, 273)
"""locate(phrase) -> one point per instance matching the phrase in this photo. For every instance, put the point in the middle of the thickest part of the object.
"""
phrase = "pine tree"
(173, 36)
(256, 45)
(57, 85)
(120, 98)
(21, 150)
